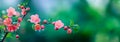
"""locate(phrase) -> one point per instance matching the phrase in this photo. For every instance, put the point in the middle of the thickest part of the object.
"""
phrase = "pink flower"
(37, 27)
(58, 24)
(35, 19)
(11, 11)
(17, 14)
(11, 28)
(17, 25)
(7, 21)
(24, 10)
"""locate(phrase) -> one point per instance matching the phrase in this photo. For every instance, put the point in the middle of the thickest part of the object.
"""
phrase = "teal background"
(99, 20)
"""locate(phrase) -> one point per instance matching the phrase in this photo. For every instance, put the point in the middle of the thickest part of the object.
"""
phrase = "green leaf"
(2, 26)
(50, 19)
(9, 35)
(5, 16)
(23, 4)
(71, 23)
(33, 26)
(76, 27)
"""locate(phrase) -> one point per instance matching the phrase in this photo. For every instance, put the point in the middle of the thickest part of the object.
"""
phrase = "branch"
(4, 36)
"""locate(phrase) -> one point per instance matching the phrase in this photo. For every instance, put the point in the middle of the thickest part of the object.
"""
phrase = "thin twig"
(4, 36)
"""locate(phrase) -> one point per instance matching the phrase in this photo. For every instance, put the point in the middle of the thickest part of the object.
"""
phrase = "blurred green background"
(99, 20)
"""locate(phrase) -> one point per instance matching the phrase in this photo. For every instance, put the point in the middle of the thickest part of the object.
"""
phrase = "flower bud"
(19, 19)
(56, 28)
(45, 21)
(17, 36)
(22, 7)
(42, 26)
(69, 31)
(65, 27)
(53, 23)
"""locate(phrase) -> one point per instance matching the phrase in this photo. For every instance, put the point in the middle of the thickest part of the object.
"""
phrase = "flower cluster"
(11, 21)
(24, 10)
(13, 18)
(57, 24)
(35, 19)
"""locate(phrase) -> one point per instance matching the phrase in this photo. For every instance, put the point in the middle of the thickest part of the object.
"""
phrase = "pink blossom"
(11, 28)
(17, 14)
(37, 27)
(11, 11)
(35, 19)
(7, 21)
(17, 25)
(23, 12)
(58, 24)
